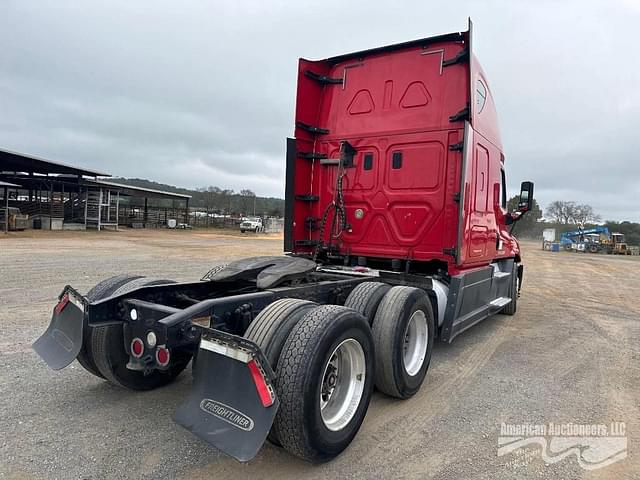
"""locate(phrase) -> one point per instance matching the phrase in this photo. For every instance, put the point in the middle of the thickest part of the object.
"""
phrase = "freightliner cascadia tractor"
(396, 233)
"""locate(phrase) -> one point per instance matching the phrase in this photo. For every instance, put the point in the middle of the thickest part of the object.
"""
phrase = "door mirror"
(526, 197)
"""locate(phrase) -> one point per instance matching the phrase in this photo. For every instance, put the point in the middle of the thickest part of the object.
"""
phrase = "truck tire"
(111, 358)
(512, 307)
(241, 231)
(104, 289)
(324, 380)
(403, 332)
(366, 298)
(270, 329)
(107, 287)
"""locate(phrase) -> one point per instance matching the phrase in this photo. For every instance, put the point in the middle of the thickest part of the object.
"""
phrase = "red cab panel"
(397, 155)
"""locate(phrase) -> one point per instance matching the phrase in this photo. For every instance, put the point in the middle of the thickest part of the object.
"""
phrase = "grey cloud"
(202, 93)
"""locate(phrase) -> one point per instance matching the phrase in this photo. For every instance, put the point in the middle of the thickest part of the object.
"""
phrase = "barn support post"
(6, 209)
(86, 201)
(117, 209)
(99, 208)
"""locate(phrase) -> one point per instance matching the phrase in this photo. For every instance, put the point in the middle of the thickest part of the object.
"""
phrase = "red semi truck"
(396, 234)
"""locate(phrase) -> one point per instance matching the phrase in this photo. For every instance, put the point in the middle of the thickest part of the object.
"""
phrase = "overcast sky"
(202, 93)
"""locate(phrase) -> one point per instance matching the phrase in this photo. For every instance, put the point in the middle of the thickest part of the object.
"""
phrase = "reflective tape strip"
(225, 350)
(76, 302)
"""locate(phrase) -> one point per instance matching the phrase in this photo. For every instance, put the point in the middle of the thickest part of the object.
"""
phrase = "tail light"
(137, 347)
(61, 304)
(264, 392)
(163, 356)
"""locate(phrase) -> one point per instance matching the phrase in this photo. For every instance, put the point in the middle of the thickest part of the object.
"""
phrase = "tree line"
(565, 216)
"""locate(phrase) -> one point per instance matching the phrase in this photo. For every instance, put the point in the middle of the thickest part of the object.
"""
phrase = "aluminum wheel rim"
(415, 343)
(342, 385)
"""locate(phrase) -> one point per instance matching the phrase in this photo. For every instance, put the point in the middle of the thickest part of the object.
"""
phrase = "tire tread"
(391, 310)
(366, 298)
(105, 338)
(293, 368)
(103, 289)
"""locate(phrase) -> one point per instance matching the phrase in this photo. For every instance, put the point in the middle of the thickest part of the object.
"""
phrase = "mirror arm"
(515, 220)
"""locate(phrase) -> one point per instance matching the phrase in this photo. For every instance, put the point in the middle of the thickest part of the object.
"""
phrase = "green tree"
(631, 230)
(248, 202)
(529, 225)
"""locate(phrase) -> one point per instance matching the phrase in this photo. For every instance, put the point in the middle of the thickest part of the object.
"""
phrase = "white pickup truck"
(251, 224)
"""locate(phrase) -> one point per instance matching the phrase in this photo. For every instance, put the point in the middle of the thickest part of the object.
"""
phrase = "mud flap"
(61, 343)
(520, 277)
(232, 403)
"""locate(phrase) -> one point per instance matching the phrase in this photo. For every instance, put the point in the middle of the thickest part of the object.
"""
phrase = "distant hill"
(214, 199)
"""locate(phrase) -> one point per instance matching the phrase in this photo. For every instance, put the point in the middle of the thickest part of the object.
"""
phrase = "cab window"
(481, 96)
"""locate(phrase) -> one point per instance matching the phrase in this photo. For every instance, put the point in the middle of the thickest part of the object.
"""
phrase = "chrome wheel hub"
(416, 336)
(342, 384)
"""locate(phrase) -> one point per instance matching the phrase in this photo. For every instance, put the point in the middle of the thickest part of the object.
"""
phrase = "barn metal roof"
(136, 191)
(18, 162)
(7, 184)
(14, 166)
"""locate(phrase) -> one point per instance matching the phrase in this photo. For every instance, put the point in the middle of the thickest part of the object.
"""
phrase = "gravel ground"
(571, 354)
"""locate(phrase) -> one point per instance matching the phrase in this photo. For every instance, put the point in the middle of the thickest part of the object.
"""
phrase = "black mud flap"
(61, 343)
(233, 402)
(520, 276)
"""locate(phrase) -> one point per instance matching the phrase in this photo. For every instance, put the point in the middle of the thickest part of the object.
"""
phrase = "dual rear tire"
(323, 358)
(327, 359)
(324, 381)
(403, 328)
(403, 331)
(103, 353)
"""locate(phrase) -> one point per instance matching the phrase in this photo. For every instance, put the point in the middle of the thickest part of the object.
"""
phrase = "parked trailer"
(548, 238)
(396, 232)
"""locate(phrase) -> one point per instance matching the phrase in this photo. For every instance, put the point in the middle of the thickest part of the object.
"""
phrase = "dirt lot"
(571, 354)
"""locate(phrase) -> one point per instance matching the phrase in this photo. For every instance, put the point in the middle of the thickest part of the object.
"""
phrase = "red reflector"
(261, 384)
(137, 347)
(162, 356)
(61, 304)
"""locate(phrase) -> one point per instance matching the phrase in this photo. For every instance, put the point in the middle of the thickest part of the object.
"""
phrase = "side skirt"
(475, 296)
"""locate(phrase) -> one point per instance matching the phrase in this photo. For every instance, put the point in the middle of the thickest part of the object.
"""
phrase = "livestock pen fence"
(158, 216)
(200, 219)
